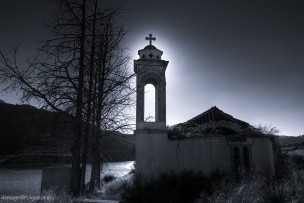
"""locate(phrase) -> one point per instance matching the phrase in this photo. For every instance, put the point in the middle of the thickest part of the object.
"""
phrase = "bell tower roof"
(150, 52)
(150, 47)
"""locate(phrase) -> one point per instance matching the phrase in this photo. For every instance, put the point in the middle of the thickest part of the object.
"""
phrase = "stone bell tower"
(150, 69)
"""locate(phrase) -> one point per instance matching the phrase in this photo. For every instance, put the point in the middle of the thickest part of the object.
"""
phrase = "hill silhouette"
(26, 130)
(288, 141)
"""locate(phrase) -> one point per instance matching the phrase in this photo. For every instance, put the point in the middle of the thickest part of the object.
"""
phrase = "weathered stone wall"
(56, 178)
(156, 154)
(206, 155)
(263, 155)
(150, 152)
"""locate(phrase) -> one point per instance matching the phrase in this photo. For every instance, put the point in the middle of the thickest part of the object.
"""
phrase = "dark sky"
(245, 57)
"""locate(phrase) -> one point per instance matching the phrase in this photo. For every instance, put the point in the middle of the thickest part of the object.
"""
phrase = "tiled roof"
(215, 114)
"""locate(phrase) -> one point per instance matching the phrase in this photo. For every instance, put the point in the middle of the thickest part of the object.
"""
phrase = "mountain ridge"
(27, 130)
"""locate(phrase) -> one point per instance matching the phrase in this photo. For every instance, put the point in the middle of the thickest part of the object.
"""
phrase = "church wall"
(156, 154)
(262, 155)
(204, 155)
(150, 152)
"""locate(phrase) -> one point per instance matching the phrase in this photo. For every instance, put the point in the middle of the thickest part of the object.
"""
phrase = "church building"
(213, 141)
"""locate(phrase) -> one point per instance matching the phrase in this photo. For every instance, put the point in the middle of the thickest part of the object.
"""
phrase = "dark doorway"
(246, 158)
(237, 160)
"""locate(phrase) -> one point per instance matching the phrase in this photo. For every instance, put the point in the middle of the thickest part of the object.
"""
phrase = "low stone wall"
(56, 179)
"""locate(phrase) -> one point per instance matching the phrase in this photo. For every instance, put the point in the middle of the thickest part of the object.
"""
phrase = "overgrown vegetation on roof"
(213, 128)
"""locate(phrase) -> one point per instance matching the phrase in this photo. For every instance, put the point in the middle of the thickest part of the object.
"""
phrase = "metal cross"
(150, 38)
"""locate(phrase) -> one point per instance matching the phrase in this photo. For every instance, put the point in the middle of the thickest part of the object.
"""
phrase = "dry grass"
(255, 188)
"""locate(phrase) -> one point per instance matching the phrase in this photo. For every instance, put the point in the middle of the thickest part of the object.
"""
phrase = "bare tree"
(113, 91)
(82, 73)
(56, 76)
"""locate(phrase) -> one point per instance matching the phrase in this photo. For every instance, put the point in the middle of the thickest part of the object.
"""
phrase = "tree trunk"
(76, 175)
(101, 85)
(89, 100)
(93, 171)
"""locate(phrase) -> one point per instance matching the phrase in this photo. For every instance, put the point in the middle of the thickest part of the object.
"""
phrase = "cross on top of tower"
(150, 38)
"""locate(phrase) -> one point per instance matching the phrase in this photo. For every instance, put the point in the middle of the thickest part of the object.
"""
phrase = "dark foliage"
(181, 188)
(108, 178)
(276, 198)
(175, 134)
(298, 161)
(252, 186)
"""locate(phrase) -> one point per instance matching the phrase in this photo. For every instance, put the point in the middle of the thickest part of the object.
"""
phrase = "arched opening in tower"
(149, 115)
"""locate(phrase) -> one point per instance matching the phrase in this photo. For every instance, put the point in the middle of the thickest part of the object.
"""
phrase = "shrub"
(249, 187)
(184, 187)
(253, 187)
(108, 178)
(298, 160)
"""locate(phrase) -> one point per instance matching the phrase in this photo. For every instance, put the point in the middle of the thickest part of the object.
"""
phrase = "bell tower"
(151, 137)
(150, 69)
